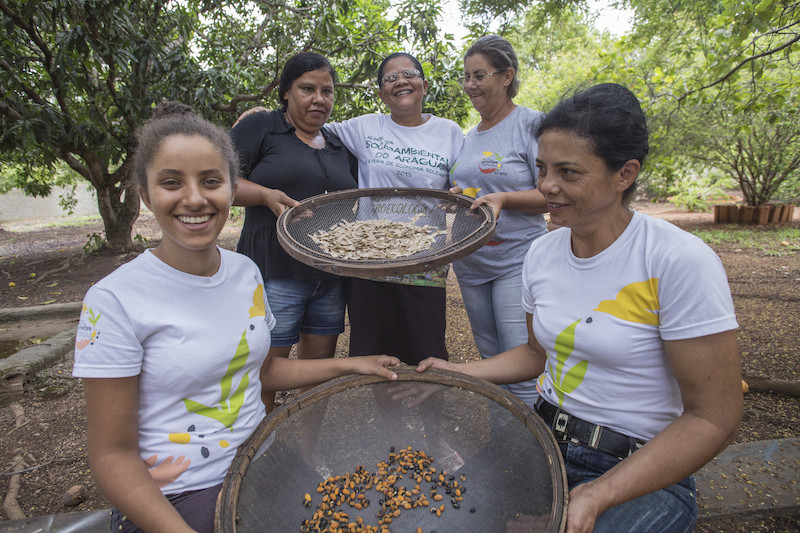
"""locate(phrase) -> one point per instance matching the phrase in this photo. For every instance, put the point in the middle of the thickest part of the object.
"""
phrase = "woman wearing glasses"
(497, 165)
(403, 316)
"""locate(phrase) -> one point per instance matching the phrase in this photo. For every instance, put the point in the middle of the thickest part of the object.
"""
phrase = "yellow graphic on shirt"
(472, 192)
(259, 306)
(637, 302)
(565, 344)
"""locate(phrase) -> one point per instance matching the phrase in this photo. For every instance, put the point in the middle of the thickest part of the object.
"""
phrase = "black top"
(272, 155)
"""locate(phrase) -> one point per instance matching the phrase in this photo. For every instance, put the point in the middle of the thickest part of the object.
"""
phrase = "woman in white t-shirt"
(404, 316)
(171, 345)
(631, 329)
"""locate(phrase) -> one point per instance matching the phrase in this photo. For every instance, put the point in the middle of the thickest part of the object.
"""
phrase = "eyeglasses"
(478, 77)
(394, 76)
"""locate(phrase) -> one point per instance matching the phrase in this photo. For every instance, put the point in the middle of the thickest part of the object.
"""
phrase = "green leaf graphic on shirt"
(635, 302)
(565, 344)
(92, 318)
(229, 404)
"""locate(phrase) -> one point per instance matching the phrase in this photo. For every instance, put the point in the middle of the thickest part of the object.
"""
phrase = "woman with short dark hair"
(289, 155)
(631, 329)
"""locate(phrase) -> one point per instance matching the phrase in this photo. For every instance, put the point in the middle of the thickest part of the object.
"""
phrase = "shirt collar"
(282, 126)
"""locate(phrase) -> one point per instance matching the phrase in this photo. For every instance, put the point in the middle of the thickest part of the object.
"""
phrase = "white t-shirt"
(391, 155)
(603, 320)
(197, 344)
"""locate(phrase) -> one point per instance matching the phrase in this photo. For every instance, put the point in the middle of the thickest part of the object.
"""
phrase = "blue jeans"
(305, 305)
(498, 323)
(669, 510)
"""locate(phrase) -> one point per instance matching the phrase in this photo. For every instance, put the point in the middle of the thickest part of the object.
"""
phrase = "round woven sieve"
(478, 434)
(465, 230)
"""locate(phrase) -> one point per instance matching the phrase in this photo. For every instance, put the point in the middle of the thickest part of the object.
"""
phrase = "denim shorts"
(309, 306)
(672, 509)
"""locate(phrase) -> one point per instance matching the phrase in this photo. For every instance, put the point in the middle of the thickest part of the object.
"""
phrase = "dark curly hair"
(175, 118)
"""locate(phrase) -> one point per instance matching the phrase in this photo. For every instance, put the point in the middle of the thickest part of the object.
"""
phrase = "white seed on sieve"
(375, 239)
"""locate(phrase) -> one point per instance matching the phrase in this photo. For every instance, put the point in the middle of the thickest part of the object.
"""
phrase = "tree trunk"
(119, 208)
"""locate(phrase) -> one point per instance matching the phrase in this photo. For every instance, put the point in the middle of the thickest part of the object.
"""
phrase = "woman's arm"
(112, 411)
(281, 373)
(248, 112)
(530, 201)
(521, 363)
(708, 372)
(250, 194)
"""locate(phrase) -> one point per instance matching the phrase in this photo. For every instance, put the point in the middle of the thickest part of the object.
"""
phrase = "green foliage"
(95, 242)
(78, 78)
(716, 79)
(695, 194)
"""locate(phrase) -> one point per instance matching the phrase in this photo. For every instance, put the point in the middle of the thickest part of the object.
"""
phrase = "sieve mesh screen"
(477, 435)
(463, 229)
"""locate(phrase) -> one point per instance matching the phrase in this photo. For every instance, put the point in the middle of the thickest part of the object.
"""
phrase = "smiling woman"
(404, 315)
(498, 166)
(172, 347)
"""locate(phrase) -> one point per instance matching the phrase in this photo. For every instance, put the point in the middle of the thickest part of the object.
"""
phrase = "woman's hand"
(374, 365)
(249, 194)
(495, 200)
(435, 362)
(277, 201)
(582, 509)
(455, 190)
(257, 109)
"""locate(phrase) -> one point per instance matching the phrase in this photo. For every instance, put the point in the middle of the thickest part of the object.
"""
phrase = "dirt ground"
(48, 265)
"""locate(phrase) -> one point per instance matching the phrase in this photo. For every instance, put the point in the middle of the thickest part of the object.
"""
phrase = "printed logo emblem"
(490, 162)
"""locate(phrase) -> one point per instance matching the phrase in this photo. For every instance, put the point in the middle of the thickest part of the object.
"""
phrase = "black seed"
(471, 509)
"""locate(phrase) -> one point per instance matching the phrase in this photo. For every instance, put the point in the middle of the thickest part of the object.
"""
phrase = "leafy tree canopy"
(78, 78)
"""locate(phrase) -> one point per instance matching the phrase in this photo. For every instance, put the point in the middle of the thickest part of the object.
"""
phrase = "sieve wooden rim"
(384, 267)
(227, 501)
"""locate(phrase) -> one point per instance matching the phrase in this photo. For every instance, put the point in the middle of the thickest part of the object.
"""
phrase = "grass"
(774, 241)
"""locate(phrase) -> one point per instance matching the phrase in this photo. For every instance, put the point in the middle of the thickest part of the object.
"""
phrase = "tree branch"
(741, 64)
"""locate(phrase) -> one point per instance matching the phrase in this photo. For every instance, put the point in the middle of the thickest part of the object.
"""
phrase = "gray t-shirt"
(502, 158)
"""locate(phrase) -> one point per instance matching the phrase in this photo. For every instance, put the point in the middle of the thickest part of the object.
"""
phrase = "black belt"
(568, 428)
